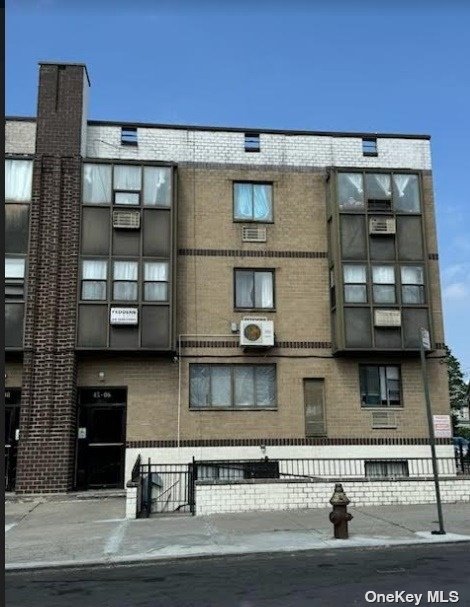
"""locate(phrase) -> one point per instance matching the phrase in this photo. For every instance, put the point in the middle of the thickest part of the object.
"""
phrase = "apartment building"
(186, 291)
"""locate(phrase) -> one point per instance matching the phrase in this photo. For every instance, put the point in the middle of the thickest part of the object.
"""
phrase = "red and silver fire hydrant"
(340, 515)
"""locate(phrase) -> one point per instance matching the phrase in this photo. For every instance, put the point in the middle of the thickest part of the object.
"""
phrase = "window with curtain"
(232, 386)
(94, 276)
(386, 469)
(378, 186)
(253, 201)
(18, 180)
(380, 385)
(157, 186)
(350, 191)
(127, 177)
(355, 283)
(156, 281)
(406, 193)
(125, 276)
(383, 284)
(97, 183)
(412, 285)
(254, 289)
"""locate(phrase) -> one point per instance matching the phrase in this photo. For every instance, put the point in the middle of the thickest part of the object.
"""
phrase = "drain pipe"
(194, 335)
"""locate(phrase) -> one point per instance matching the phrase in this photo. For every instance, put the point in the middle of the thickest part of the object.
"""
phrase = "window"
(18, 180)
(380, 385)
(254, 289)
(369, 146)
(406, 193)
(355, 287)
(97, 183)
(157, 186)
(412, 285)
(155, 281)
(253, 202)
(127, 198)
(386, 469)
(383, 279)
(14, 277)
(379, 189)
(128, 135)
(351, 191)
(94, 275)
(232, 386)
(125, 275)
(127, 185)
(252, 143)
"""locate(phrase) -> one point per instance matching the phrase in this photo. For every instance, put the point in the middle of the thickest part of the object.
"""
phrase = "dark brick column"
(48, 407)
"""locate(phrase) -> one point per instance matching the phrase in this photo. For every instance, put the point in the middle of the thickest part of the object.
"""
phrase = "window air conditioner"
(384, 419)
(127, 220)
(253, 234)
(387, 318)
(382, 225)
(256, 332)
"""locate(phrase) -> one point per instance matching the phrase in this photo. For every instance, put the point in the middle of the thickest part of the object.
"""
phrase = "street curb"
(149, 558)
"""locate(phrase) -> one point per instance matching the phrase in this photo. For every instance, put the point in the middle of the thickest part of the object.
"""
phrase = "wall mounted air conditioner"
(126, 220)
(256, 332)
(384, 419)
(382, 225)
(254, 234)
(387, 318)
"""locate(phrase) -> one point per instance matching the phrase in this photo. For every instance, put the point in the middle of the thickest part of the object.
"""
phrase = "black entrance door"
(12, 424)
(101, 439)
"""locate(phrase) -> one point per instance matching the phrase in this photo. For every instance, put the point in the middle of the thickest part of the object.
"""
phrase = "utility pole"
(425, 344)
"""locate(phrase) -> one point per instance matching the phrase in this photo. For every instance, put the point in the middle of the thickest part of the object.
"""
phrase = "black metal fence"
(167, 488)
(170, 488)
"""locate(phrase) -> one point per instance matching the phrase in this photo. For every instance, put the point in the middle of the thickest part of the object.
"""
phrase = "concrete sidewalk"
(64, 531)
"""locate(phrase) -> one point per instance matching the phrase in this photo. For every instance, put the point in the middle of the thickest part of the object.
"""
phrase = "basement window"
(369, 146)
(128, 135)
(252, 142)
(386, 469)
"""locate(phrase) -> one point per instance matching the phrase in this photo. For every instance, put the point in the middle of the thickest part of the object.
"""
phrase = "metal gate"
(167, 488)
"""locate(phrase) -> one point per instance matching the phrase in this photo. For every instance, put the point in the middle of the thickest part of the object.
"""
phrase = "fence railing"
(170, 488)
(338, 468)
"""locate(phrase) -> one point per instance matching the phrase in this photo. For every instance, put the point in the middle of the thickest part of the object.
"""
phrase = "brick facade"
(48, 406)
(209, 246)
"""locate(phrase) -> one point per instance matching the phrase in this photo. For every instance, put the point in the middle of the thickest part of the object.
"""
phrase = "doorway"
(101, 438)
(314, 397)
(12, 431)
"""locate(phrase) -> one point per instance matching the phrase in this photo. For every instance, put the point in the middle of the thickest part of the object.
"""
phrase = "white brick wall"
(20, 137)
(243, 496)
(225, 147)
(228, 148)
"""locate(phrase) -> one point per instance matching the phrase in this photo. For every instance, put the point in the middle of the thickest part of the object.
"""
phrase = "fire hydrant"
(340, 515)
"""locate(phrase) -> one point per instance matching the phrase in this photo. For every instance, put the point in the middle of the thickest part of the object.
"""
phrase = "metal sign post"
(425, 344)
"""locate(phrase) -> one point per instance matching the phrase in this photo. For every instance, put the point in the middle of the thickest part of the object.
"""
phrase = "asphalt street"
(323, 578)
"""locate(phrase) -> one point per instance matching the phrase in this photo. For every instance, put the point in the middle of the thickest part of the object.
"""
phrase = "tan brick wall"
(152, 406)
(205, 307)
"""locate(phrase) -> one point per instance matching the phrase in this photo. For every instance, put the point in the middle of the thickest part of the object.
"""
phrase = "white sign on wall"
(124, 316)
(442, 426)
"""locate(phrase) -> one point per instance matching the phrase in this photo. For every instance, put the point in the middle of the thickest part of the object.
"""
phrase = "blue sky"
(352, 66)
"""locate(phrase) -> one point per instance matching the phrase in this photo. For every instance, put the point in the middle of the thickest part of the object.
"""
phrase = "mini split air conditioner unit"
(256, 332)
(382, 225)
